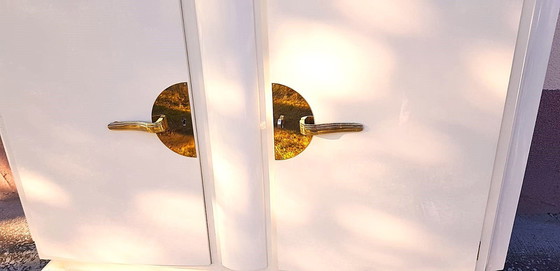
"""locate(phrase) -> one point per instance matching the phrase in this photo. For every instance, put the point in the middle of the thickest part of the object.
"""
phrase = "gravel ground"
(17, 250)
(535, 243)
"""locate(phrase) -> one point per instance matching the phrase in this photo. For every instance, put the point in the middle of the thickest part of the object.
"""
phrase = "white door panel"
(67, 69)
(428, 80)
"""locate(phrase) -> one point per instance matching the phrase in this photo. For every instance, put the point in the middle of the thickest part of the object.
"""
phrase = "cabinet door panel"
(67, 69)
(428, 79)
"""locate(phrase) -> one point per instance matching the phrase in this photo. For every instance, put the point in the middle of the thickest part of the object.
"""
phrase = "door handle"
(294, 125)
(159, 126)
(307, 126)
(172, 120)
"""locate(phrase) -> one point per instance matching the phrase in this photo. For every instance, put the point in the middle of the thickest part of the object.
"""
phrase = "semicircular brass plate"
(174, 103)
(288, 108)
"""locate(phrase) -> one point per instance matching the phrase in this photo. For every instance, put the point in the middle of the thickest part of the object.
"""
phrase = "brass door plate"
(174, 104)
(288, 109)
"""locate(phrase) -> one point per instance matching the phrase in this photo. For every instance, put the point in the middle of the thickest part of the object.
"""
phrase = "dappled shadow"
(428, 80)
(82, 184)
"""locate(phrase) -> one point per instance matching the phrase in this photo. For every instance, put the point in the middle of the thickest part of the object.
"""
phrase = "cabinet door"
(428, 80)
(68, 69)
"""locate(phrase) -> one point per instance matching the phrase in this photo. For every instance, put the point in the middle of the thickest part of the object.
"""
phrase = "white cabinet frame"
(533, 48)
(534, 43)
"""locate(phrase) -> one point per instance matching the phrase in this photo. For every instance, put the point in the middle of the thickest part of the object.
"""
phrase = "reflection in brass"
(294, 124)
(172, 121)
(288, 108)
(160, 125)
(307, 126)
(174, 103)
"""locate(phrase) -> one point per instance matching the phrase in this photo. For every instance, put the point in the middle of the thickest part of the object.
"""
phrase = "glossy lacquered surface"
(232, 95)
(428, 79)
(67, 69)
(528, 77)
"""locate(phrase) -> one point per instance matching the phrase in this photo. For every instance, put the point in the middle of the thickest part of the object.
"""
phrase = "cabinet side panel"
(534, 42)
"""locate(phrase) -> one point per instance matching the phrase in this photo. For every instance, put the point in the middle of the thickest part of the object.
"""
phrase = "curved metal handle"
(307, 126)
(157, 127)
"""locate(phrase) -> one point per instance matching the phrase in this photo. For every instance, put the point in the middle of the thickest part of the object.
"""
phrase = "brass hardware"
(307, 126)
(288, 108)
(159, 126)
(172, 120)
(294, 125)
(280, 122)
(174, 103)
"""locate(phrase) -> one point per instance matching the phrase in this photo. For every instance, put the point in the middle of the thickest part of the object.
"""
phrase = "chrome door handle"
(307, 126)
(160, 125)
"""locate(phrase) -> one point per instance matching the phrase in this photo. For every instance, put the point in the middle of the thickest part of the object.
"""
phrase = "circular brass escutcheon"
(174, 103)
(288, 109)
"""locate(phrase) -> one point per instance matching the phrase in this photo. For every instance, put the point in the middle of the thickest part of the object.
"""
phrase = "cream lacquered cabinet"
(446, 93)
(68, 69)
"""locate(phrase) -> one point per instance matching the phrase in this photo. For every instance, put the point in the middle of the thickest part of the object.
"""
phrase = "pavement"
(17, 249)
(535, 243)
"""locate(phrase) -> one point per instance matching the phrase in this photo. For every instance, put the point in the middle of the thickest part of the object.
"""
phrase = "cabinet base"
(58, 265)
